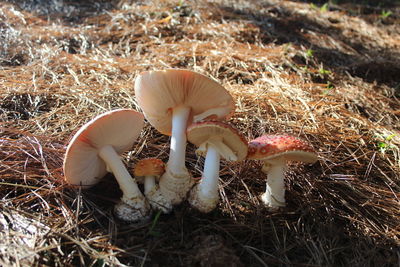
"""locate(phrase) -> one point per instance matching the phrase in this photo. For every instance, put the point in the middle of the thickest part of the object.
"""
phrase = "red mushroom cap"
(273, 146)
(149, 166)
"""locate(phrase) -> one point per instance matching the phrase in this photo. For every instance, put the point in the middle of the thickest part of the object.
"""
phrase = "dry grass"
(330, 77)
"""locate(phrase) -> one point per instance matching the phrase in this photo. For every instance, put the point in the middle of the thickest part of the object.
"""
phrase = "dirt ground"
(328, 72)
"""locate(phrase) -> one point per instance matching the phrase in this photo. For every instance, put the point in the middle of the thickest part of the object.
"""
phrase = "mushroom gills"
(210, 114)
(218, 144)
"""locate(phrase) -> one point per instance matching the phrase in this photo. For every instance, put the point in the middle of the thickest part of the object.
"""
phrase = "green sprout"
(385, 14)
(309, 53)
(323, 8)
(153, 225)
(324, 71)
(384, 145)
(328, 87)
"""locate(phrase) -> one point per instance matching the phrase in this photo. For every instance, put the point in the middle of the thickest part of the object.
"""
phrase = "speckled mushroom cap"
(149, 166)
(118, 128)
(273, 146)
(200, 132)
(158, 92)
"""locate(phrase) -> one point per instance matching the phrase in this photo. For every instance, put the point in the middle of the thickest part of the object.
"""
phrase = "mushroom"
(96, 149)
(171, 99)
(214, 140)
(275, 151)
(147, 171)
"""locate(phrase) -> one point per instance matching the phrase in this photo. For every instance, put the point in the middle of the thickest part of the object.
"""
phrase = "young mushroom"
(96, 149)
(171, 99)
(275, 151)
(148, 172)
(214, 140)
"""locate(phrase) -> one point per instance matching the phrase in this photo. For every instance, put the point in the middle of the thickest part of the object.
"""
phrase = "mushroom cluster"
(187, 106)
(171, 100)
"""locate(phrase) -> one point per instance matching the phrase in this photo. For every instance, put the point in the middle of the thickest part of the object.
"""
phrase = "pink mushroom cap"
(118, 128)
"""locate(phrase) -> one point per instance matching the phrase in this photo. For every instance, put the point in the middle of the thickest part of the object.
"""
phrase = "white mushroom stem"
(153, 194)
(149, 183)
(128, 185)
(204, 196)
(176, 181)
(208, 187)
(274, 195)
(176, 162)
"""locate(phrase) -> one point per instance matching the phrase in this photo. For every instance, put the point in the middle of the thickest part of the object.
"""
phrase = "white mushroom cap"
(118, 128)
(230, 138)
(268, 147)
(158, 92)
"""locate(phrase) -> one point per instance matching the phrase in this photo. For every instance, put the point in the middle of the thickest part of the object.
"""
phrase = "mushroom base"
(271, 202)
(274, 196)
(132, 210)
(174, 187)
(200, 202)
(158, 201)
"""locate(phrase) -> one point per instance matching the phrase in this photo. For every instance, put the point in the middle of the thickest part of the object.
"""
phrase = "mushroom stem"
(149, 183)
(128, 185)
(208, 187)
(204, 196)
(176, 162)
(176, 181)
(274, 195)
(154, 195)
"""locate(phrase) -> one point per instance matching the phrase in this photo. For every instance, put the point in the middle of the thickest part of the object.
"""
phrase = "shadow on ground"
(372, 63)
(68, 12)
